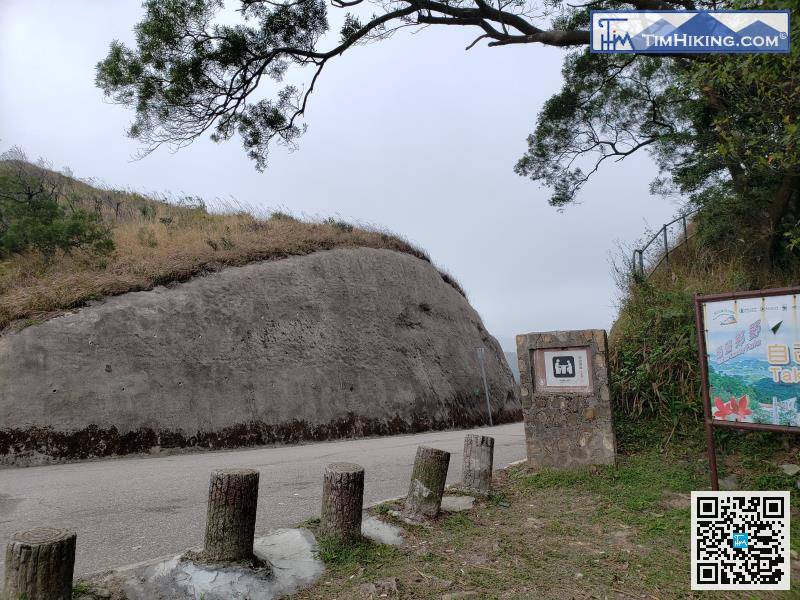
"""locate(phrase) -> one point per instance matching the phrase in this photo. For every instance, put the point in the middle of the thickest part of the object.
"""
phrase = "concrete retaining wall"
(347, 342)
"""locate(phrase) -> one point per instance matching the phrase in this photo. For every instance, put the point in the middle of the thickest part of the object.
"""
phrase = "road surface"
(132, 509)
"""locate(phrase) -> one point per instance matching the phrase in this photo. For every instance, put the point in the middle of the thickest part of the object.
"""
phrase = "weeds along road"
(131, 509)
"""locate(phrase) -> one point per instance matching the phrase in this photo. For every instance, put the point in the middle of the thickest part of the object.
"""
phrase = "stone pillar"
(342, 501)
(566, 402)
(478, 460)
(39, 565)
(231, 520)
(427, 483)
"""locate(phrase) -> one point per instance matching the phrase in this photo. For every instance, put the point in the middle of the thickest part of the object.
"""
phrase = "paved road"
(132, 509)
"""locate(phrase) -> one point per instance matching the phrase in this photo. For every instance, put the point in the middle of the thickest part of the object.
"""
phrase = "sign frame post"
(702, 356)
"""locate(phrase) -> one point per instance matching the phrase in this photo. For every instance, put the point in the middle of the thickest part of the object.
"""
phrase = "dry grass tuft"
(158, 241)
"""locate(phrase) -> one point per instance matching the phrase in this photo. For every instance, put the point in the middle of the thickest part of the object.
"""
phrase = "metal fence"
(671, 235)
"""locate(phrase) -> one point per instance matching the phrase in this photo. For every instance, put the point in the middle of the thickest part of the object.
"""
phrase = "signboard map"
(753, 347)
(566, 368)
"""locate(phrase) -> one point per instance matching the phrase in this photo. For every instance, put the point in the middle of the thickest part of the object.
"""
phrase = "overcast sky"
(413, 134)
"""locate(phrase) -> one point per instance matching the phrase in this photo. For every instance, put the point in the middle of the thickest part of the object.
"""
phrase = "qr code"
(740, 540)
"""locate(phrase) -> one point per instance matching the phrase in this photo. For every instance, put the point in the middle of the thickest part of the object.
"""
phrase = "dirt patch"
(676, 500)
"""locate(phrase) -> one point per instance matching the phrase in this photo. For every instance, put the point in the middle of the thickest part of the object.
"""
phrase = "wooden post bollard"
(427, 483)
(342, 501)
(478, 459)
(39, 565)
(231, 520)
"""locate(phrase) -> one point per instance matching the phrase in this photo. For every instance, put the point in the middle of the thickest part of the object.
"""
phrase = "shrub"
(654, 356)
(48, 228)
(35, 215)
(339, 224)
(281, 216)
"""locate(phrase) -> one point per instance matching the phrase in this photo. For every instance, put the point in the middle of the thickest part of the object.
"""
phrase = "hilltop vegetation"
(131, 241)
(653, 345)
(729, 149)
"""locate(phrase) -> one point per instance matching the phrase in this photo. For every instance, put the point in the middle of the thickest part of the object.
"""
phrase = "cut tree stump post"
(342, 501)
(39, 565)
(478, 458)
(427, 483)
(231, 520)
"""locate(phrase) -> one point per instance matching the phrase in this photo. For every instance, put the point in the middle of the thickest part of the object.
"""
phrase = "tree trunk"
(231, 521)
(478, 459)
(39, 565)
(427, 483)
(342, 501)
(777, 211)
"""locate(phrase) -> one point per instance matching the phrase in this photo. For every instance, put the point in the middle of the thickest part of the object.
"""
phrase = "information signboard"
(749, 354)
(753, 348)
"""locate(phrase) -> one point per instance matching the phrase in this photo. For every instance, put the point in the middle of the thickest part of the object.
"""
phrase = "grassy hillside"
(653, 344)
(159, 241)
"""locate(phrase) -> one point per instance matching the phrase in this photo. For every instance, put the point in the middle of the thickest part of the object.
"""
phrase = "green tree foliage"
(734, 155)
(36, 215)
(192, 74)
(753, 115)
(723, 130)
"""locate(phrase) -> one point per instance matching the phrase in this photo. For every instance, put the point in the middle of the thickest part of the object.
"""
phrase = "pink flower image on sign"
(737, 408)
